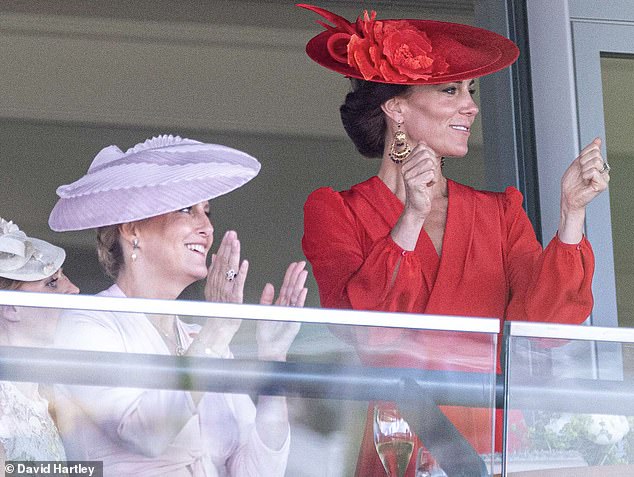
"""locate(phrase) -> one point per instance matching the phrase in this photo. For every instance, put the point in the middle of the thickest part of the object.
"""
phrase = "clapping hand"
(226, 276)
(275, 337)
(225, 284)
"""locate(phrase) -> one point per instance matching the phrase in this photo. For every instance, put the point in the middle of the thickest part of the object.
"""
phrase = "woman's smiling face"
(440, 116)
(175, 245)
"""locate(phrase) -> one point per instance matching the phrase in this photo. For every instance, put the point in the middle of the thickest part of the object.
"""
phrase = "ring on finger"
(606, 167)
(230, 275)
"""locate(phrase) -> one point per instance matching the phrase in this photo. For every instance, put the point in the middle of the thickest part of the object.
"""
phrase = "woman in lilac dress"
(151, 211)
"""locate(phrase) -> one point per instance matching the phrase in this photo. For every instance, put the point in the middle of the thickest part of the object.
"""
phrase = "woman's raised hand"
(274, 338)
(227, 275)
(225, 284)
(292, 291)
(585, 179)
(423, 181)
(420, 172)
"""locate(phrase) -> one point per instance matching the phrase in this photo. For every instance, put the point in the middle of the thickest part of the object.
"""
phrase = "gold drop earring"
(400, 149)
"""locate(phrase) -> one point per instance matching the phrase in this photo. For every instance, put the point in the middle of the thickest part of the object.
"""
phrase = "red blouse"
(491, 266)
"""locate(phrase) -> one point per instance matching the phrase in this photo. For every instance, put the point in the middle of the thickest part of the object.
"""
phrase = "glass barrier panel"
(568, 413)
(153, 387)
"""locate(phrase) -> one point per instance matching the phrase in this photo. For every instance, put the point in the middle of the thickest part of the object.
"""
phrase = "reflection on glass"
(426, 465)
(576, 425)
(329, 390)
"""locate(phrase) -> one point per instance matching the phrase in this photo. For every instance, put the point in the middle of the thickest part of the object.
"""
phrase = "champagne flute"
(393, 439)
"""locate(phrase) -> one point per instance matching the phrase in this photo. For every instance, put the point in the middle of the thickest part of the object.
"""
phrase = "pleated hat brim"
(162, 175)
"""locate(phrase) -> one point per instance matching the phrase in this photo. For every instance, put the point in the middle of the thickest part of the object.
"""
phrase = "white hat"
(24, 258)
(160, 175)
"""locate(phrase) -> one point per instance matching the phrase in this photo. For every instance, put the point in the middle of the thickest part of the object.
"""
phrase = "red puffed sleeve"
(356, 267)
(553, 285)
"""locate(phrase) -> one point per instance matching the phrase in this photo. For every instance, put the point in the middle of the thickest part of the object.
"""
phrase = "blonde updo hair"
(109, 251)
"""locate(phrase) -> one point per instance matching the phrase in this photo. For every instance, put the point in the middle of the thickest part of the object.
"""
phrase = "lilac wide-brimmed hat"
(24, 258)
(160, 175)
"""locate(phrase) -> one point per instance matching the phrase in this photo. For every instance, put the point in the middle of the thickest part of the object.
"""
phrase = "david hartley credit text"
(14, 468)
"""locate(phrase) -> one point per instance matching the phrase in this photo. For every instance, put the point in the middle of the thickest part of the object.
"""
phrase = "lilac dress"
(150, 432)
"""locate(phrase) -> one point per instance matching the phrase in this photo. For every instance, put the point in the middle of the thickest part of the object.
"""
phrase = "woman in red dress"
(411, 240)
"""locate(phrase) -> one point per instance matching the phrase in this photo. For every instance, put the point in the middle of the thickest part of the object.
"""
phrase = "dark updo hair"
(109, 250)
(362, 116)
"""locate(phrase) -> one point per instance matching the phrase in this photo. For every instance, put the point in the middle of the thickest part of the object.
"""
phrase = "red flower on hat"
(393, 51)
(407, 51)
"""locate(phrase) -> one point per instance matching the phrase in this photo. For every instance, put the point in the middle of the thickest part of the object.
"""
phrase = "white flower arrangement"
(607, 429)
(602, 429)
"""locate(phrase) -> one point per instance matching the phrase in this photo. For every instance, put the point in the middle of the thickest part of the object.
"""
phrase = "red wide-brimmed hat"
(408, 51)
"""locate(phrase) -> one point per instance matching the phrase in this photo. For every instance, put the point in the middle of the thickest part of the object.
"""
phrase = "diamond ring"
(230, 275)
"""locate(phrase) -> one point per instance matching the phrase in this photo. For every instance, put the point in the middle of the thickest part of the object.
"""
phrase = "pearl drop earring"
(135, 247)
